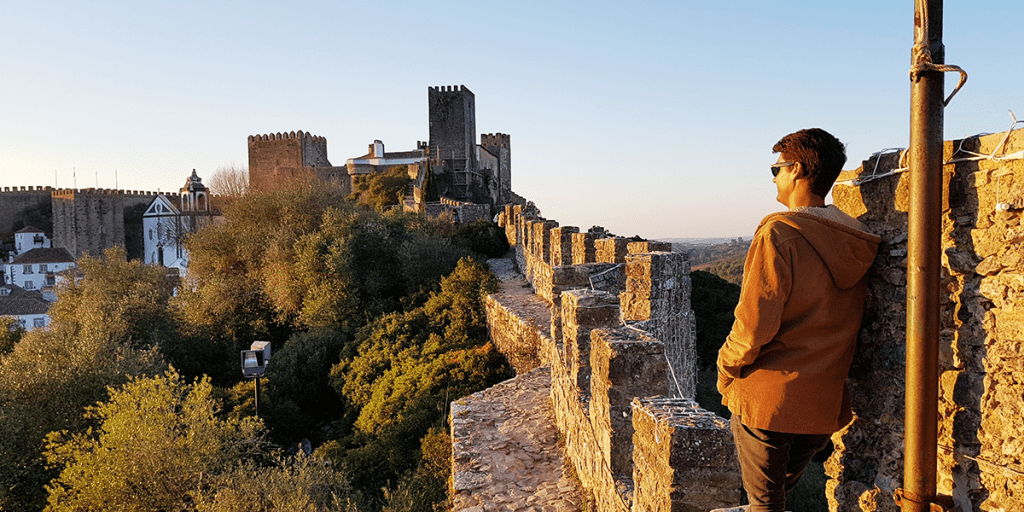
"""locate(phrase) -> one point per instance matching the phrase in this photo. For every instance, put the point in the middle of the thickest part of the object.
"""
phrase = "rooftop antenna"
(74, 177)
(115, 178)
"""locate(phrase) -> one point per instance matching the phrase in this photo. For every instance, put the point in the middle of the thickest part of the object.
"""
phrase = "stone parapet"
(600, 357)
(561, 245)
(648, 246)
(611, 250)
(657, 296)
(626, 363)
(684, 458)
(583, 311)
(583, 248)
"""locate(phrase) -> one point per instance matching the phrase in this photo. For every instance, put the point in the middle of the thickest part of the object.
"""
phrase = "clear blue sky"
(653, 118)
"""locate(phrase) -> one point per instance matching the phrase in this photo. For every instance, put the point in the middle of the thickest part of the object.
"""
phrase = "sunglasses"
(778, 167)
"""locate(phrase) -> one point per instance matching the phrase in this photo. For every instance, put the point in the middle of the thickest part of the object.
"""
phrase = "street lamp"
(254, 364)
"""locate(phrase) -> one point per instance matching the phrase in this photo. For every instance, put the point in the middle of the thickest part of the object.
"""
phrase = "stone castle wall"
(981, 405)
(15, 200)
(591, 325)
(88, 221)
(278, 158)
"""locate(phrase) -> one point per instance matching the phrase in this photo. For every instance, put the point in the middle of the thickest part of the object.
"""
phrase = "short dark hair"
(821, 154)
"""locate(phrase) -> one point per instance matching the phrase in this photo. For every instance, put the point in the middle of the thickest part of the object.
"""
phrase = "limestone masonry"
(609, 320)
(615, 337)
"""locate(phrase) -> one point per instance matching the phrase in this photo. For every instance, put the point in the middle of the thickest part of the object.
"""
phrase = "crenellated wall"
(89, 221)
(981, 404)
(608, 368)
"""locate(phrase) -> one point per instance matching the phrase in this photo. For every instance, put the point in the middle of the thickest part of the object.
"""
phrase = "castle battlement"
(70, 193)
(495, 139)
(450, 88)
(289, 136)
(26, 189)
(616, 332)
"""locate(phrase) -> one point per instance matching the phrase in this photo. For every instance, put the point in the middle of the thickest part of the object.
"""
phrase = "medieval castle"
(450, 172)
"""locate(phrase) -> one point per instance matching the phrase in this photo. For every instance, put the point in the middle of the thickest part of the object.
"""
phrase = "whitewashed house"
(28, 307)
(28, 238)
(39, 269)
(168, 221)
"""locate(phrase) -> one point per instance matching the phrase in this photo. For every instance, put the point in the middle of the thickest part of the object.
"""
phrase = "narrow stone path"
(506, 454)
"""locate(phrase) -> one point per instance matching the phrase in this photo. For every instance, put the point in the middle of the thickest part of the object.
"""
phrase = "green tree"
(380, 190)
(409, 366)
(713, 300)
(483, 237)
(293, 484)
(126, 301)
(157, 442)
(297, 391)
(11, 332)
(105, 327)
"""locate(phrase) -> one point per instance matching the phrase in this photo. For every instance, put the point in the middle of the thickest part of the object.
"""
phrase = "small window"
(150, 234)
(29, 285)
(27, 269)
(42, 268)
(38, 322)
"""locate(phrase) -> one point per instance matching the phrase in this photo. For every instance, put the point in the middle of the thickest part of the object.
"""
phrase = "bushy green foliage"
(294, 484)
(408, 368)
(424, 489)
(11, 332)
(103, 331)
(123, 300)
(158, 439)
(713, 300)
(730, 269)
(297, 395)
(483, 237)
(303, 258)
(380, 190)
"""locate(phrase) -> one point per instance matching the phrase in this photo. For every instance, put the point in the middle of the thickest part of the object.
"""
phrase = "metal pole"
(923, 267)
(257, 404)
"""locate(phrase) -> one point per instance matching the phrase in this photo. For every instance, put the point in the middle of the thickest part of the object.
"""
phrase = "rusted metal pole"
(923, 267)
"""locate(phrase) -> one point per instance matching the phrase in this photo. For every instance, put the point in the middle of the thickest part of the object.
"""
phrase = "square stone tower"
(453, 135)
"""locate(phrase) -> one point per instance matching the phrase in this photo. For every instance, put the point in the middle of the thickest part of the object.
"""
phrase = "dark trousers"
(772, 463)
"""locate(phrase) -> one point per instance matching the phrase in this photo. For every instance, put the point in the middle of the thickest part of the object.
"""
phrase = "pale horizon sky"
(651, 118)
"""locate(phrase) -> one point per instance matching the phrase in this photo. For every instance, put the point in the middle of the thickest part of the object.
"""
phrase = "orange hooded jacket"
(785, 363)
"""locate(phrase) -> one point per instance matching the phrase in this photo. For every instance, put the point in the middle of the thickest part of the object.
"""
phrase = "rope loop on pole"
(922, 56)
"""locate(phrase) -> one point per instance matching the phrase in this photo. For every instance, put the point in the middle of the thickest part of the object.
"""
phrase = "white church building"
(169, 220)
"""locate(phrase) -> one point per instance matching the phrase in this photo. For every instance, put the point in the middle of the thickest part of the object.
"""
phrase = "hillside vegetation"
(724, 260)
(133, 399)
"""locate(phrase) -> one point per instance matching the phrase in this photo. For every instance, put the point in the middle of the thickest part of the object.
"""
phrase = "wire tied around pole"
(922, 56)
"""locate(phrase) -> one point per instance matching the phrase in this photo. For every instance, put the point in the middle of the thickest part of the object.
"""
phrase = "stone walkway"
(506, 451)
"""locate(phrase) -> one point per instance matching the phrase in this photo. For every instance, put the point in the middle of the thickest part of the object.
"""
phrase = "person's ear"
(799, 172)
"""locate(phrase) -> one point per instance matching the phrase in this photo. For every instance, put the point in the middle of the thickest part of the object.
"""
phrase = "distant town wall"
(15, 200)
(88, 221)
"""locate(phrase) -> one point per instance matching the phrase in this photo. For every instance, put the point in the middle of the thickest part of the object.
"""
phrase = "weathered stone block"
(684, 458)
(611, 250)
(561, 245)
(583, 248)
(583, 311)
(648, 246)
(626, 364)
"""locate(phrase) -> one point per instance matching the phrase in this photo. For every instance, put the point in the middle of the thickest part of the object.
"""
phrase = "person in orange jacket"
(782, 370)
